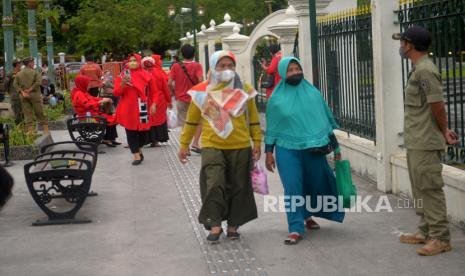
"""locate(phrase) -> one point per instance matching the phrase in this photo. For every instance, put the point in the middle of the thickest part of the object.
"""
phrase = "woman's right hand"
(126, 80)
(270, 162)
(182, 155)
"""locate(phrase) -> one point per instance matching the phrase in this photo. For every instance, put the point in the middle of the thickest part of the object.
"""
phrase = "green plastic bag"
(345, 186)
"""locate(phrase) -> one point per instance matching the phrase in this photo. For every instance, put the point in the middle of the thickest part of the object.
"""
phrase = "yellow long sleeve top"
(240, 137)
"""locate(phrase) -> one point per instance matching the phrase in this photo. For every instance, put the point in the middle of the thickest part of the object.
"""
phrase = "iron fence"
(345, 60)
(445, 19)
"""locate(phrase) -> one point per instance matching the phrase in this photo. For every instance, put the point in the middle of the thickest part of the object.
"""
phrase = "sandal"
(196, 149)
(214, 238)
(293, 239)
(233, 235)
(312, 225)
(108, 144)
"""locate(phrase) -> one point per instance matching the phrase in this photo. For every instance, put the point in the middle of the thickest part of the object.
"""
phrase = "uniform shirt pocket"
(412, 94)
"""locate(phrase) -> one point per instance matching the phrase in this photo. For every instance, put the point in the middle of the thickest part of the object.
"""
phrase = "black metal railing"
(345, 60)
(445, 19)
(259, 77)
(295, 50)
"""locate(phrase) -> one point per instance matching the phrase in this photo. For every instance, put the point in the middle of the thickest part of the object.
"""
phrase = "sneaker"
(416, 238)
(434, 247)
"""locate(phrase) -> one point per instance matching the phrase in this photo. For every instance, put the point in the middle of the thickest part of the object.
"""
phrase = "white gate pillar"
(388, 89)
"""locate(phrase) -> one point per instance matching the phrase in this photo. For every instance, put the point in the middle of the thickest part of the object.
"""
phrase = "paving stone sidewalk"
(144, 223)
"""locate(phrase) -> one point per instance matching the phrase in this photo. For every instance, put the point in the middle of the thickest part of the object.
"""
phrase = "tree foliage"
(123, 26)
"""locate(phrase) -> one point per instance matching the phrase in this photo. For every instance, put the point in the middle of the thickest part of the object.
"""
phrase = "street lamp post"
(194, 29)
(8, 40)
(270, 9)
(194, 12)
(32, 31)
(49, 41)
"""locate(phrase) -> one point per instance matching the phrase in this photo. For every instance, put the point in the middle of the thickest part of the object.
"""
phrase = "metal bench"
(89, 129)
(4, 139)
(59, 180)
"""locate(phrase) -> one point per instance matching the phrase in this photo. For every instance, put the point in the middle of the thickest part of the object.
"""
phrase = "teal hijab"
(297, 117)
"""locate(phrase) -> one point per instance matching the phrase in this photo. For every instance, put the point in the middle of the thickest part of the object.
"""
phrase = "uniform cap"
(418, 36)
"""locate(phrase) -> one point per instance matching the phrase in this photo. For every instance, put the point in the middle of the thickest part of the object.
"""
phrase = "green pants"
(17, 109)
(427, 187)
(33, 106)
(226, 187)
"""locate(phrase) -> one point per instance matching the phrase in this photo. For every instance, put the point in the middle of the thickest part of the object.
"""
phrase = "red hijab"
(158, 61)
(158, 65)
(139, 77)
(81, 83)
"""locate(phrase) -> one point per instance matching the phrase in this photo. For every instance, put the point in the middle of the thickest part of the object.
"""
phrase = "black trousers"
(110, 133)
(137, 139)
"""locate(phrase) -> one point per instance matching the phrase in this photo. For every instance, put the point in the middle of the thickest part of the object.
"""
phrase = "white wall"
(454, 188)
(244, 58)
(362, 156)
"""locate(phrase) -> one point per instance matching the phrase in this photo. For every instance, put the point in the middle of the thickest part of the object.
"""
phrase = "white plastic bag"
(259, 180)
(172, 118)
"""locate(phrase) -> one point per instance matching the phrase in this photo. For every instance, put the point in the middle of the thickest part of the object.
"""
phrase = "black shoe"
(136, 162)
(115, 143)
(233, 235)
(109, 144)
(214, 238)
(141, 157)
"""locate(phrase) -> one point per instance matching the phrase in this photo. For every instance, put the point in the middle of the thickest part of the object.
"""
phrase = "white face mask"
(225, 76)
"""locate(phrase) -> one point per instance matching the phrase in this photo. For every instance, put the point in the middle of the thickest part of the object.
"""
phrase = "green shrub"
(54, 113)
(19, 137)
(7, 120)
(17, 134)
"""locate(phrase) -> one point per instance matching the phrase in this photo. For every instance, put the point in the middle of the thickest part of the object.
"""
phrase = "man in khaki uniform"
(27, 83)
(426, 133)
(14, 95)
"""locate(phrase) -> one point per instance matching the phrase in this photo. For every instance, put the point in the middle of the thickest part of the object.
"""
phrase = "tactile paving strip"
(227, 257)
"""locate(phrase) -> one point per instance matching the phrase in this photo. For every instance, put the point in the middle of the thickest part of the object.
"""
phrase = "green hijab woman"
(300, 127)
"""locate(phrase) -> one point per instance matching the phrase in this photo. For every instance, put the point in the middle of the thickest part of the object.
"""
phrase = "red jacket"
(164, 97)
(127, 112)
(83, 102)
(273, 69)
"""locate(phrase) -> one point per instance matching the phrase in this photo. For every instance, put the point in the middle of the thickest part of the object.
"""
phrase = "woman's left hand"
(337, 156)
(256, 152)
(153, 109)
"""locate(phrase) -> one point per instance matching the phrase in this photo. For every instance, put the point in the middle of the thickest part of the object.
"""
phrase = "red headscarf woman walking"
(139, 97)
(159, 129)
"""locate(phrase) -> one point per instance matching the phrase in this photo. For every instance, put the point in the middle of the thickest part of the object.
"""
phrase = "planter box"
(28, 152)
(57, 125)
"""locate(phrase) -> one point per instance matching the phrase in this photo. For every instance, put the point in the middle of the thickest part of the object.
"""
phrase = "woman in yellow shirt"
(226, 109)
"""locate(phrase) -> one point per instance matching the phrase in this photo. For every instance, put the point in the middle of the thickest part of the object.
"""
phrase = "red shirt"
(182, 82)
(273, 69)
(94, 72)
